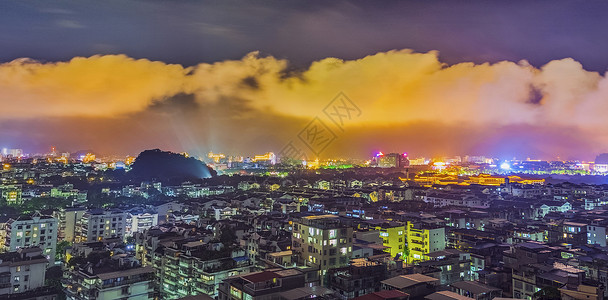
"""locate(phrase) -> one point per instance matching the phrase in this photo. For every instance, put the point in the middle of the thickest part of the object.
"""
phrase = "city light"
(231, 150)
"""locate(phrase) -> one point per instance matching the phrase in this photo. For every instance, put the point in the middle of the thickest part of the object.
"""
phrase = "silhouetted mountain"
(164, 165)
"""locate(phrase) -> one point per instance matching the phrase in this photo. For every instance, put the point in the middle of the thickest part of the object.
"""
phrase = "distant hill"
(602, 159)
(164, 165)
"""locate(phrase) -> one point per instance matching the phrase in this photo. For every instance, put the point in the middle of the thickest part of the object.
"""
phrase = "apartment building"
(22, 271)
(191, 267)
(98, 224)
(423, 238)
(68, 220)
(28, 231)
(112, 279)
(323, 242)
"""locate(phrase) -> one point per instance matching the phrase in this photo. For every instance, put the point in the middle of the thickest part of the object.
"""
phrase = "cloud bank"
(409, 102)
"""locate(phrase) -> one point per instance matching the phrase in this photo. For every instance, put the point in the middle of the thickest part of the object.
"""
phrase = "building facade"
(323, 242)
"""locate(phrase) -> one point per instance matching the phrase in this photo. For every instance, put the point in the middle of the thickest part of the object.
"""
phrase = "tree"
(227, 236)
(53, 279)
(60, 252)
(548, 293)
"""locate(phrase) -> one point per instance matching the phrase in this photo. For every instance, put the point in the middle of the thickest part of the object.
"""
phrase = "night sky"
(502, 78)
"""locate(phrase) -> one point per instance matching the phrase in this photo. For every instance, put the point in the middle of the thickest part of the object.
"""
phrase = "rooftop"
(404, 281)
(474, 287)
(446, 295)
(384, 295)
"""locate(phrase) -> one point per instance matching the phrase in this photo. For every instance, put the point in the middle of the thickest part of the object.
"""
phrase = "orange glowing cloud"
(93, 86)
(394, 87)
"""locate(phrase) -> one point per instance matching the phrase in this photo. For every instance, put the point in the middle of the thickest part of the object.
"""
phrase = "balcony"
(418, 242)
(126, 282)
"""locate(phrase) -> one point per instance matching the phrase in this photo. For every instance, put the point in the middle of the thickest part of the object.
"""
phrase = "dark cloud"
(179, 103)
(536, 96)
(251, 82)
(189, 32)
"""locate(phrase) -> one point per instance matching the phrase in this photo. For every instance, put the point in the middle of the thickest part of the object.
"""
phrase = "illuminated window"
(333, 242)
(332, 234)
(236, 292)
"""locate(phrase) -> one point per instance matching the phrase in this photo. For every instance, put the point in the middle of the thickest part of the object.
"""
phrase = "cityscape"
(297, 150)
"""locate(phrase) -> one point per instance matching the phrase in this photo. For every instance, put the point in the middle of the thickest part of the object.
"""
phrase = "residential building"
(423, 238)
(35, 230)
(139, 221)
(323, 242)
(449, 265)
(190, 267)
(361, 277)
(11, 194)
(109, 280)
(393, 235)
(475, 290)
(415, 285)
(267, 284)
(385, 295)
(98, 224)
(68, 220)
(22, 271)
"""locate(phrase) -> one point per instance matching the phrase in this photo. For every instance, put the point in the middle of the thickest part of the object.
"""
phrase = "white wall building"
(31, 231)
(22, 270)
(98, 224)
(140, 221)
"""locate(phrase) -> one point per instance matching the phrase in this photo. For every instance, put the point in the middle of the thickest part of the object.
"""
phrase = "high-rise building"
(392, 160)
(98, 224)
(323, 242)
(29, 231)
